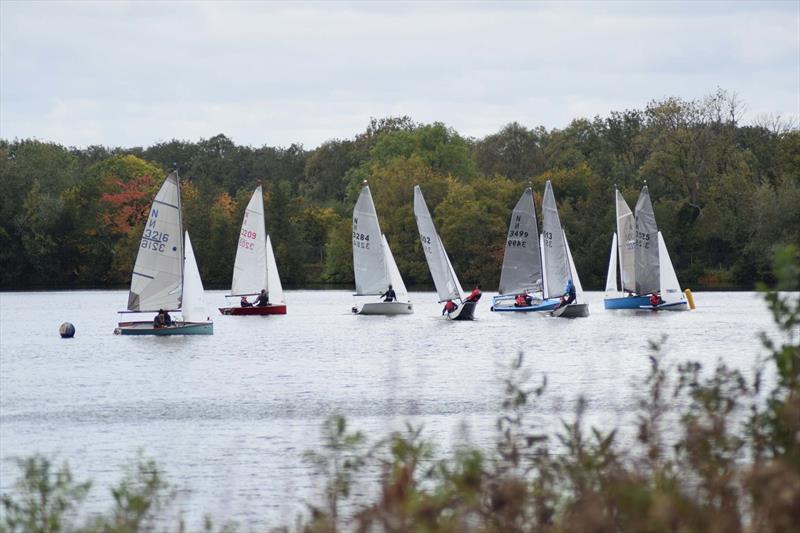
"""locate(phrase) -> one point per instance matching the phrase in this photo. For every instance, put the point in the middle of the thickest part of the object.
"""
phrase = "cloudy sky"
(135, 73)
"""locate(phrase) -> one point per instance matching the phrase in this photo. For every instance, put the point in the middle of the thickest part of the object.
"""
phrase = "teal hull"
(180, 328)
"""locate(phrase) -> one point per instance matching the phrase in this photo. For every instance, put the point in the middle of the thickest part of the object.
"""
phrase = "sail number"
(426, 244)
(547, 238)
(642, 240)
(517, 238)
(360, 240)
(154, 240)
(244, 237)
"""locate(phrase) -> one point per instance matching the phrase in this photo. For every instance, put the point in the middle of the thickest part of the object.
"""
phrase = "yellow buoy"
(689, 298)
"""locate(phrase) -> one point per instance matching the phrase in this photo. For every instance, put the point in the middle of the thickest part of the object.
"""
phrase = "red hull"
(254, 311)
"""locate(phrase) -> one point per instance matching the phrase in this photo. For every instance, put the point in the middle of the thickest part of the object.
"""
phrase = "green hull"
(181, 328)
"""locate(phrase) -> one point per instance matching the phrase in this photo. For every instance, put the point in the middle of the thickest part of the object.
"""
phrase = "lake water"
(229, 416)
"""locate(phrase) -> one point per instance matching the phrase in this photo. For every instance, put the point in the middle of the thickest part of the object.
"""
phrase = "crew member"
(262, 300)
(475, 295)
(389, 296)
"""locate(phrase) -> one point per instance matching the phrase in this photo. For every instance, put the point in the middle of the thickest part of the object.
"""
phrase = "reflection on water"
(229, 415)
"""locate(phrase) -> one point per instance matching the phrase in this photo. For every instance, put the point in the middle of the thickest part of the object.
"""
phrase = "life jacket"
(654, 299)
(450, 306)
(521, 301)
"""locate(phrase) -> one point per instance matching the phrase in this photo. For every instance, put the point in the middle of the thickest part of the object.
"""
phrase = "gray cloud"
(133, 73)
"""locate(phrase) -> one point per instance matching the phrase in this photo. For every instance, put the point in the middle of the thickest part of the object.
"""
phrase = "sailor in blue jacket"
(569, 292)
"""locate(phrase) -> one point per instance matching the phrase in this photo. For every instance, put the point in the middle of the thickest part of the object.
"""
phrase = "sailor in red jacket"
(475, 295)
(449, 307)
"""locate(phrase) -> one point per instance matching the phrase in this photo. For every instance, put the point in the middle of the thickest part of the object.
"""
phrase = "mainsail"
(626, 233)
(647, 269)
(444, 278)
(522, 269)
(194, 304)
(554, 247)
(369, 263)
(158, 271)
(250, 267)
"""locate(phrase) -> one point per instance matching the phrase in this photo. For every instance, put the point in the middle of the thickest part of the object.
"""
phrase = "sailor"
(520, 301)
(569, 293)
(262, 300)
(244, 303)
(167, 319)
(389, 296)
(475, 295)
(158, 321)
(655, 299)
(449, 307)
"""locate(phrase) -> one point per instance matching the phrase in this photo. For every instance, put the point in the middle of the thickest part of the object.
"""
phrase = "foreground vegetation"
(725, 195)
(713, 452)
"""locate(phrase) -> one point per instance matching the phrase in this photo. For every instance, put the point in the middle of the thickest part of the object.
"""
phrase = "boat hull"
(671, 306)
(180, 328)
(465, 312)
(387, 308)
(627, 302)
(279, 309)
(543, 306)
(642, 303)
(572, 311)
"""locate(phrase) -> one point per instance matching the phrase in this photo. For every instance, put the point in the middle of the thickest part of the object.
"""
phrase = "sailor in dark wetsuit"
(389, 296)
(262, 300)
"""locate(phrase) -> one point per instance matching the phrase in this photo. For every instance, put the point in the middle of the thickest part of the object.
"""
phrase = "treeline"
(725, 194)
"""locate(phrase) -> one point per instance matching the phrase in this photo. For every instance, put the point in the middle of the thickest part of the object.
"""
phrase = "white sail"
(194, 303)
(555, 250)
(250, 267)
(626, 233)
(157, 273)
(369, 264)
(612, 287)
(545, 292)
(273, 278)
(576, 280)
(670, 288)
(647, 264)
(395, 278)
(522, 268)
(447, 285)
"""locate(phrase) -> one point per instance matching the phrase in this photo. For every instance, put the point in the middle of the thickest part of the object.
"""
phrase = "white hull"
(387, 308)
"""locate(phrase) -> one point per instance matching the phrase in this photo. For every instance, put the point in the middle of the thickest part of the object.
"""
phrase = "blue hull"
(627, 302)
(545, 305)
(182, 328)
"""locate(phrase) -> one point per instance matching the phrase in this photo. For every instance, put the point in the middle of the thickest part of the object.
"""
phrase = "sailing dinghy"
(521, 275)
(558, 266)
(444, 277)
(639, 252)
(373, 264)
(165, 275)
(254, 268)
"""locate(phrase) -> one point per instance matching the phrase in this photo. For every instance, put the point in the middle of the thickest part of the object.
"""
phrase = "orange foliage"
(128, 205)
(226, 204)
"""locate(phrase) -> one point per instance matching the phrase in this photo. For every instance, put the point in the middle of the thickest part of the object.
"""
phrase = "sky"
(274, 73)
